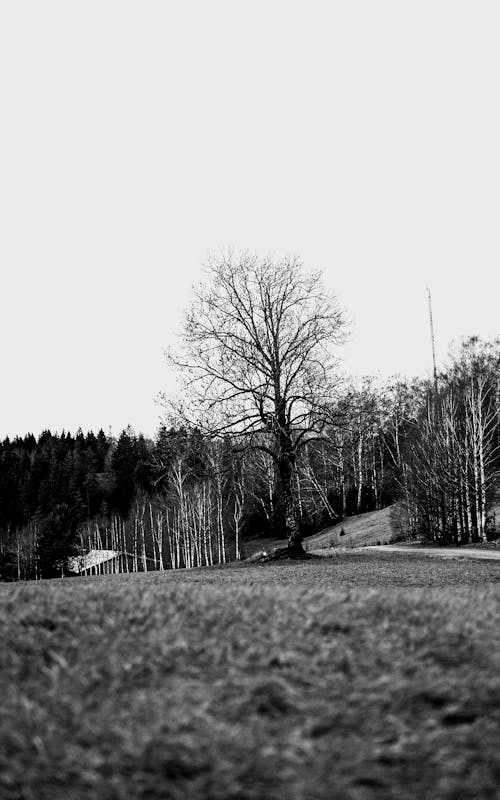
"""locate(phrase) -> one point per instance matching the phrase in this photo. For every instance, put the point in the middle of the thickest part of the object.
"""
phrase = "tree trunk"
(286, 486)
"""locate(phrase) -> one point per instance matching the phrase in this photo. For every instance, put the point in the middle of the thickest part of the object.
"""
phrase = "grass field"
(365, 675)
(374, 527)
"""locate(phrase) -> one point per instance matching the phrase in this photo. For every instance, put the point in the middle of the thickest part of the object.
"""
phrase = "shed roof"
(92, 559)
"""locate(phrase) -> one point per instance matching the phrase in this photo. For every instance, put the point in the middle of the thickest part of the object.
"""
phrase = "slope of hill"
(374, 527)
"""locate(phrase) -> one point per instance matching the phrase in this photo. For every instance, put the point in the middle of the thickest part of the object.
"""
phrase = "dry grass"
(362, 676)
(374, 527)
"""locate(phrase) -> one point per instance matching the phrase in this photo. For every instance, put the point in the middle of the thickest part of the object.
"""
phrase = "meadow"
(364, 675)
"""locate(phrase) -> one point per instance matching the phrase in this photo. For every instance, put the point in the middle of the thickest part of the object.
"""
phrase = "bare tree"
(449, 462)
(256, 362)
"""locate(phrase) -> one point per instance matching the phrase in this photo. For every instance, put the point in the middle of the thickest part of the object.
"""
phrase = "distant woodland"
(265, 439)
(187, 498)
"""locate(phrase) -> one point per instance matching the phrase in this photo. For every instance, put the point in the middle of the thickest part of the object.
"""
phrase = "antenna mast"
(432, 340)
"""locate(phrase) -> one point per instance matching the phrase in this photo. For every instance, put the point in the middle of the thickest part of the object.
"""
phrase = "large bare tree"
(256, 361)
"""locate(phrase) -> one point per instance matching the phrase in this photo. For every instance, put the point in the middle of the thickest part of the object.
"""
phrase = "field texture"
(362, 676)
(374, 527)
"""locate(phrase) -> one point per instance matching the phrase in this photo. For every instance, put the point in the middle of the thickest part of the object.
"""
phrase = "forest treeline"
(185, 499)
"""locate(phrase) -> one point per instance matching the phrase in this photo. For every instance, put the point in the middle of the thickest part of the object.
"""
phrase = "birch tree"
(452, 450)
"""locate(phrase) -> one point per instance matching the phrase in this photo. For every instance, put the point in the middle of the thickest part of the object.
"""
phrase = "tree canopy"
(257, 360)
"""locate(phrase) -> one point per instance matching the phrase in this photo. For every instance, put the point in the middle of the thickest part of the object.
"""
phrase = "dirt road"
(444, 552)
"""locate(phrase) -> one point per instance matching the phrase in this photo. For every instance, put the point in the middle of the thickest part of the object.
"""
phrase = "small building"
(109, 562)
(98, 562)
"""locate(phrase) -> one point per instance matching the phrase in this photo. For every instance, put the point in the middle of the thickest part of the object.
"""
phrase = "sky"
(138, 136)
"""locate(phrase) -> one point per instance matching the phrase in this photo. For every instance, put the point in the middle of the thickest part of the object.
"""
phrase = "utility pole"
(432, 341)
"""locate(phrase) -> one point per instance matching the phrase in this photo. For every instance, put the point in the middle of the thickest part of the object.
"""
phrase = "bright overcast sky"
(137, 136)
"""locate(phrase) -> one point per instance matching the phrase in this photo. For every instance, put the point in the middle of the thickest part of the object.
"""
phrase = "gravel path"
(445, 552)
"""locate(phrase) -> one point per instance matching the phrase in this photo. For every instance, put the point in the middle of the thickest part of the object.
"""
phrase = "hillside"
(379, 527)
(374, 527)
